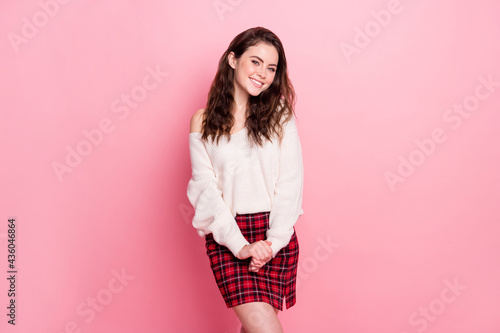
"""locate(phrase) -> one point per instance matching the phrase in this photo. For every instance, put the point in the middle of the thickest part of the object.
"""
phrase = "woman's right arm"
(197, 121)
(212, 215)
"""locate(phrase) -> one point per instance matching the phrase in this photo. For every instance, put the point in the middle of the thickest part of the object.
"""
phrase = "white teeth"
(256, 82)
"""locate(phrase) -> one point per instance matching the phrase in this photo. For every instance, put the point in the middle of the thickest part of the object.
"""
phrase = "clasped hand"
(260, 252)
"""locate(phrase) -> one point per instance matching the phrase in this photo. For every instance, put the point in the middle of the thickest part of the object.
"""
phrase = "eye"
(255, 62)
(273, 70)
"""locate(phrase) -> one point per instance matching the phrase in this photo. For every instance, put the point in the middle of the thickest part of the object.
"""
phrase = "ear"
(231, 59)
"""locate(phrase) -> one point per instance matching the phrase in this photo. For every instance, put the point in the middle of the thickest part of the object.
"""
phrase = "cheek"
(249, 69)
(244, 76)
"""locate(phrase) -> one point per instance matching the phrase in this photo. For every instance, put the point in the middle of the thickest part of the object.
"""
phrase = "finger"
(263, 262)
(267, 249)
(256, 252)
(253, 268)
(260, 263)
(264, 244)
(256, 263)
(261, 253)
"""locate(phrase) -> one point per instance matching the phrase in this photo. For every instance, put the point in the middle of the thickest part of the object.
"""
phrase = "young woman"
(247, 179)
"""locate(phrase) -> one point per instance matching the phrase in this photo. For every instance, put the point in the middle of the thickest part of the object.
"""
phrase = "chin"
(256, 93)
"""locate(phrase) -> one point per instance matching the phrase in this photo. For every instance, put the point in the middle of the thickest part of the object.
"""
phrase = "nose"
(262, 72)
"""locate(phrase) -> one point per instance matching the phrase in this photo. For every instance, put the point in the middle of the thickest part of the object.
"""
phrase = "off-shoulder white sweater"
(232, 177)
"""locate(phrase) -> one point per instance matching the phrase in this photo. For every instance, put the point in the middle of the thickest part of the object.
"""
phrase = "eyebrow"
(263, 60)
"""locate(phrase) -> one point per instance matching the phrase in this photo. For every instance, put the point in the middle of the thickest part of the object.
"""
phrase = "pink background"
(392, 250)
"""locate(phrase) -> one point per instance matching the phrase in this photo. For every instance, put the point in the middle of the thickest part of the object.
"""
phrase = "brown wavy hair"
(267, 112)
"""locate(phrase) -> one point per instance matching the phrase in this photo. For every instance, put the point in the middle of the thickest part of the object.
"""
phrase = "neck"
(240, 100)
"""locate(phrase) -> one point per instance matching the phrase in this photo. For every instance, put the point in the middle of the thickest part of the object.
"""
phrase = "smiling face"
(255, 70)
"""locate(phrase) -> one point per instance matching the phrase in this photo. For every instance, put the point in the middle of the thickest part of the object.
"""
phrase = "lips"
(257, 83)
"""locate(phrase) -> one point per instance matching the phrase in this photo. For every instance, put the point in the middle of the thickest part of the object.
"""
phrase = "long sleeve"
(287, 204)
(212, 214)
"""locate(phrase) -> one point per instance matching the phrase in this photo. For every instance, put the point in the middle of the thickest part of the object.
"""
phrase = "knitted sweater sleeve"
(287, 202)
(212, 214)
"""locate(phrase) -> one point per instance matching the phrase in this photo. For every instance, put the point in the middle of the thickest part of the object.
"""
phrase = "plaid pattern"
(274, 281)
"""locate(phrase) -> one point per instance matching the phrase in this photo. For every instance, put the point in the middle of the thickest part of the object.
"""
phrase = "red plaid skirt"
(271, 284)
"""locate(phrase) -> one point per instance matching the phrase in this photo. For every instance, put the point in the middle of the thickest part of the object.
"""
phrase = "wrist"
(241, 252)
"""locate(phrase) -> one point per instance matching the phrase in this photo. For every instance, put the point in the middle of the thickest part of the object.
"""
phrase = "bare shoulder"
(197, 121)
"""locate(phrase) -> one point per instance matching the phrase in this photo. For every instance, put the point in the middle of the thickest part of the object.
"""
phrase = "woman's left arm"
(287, 203)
